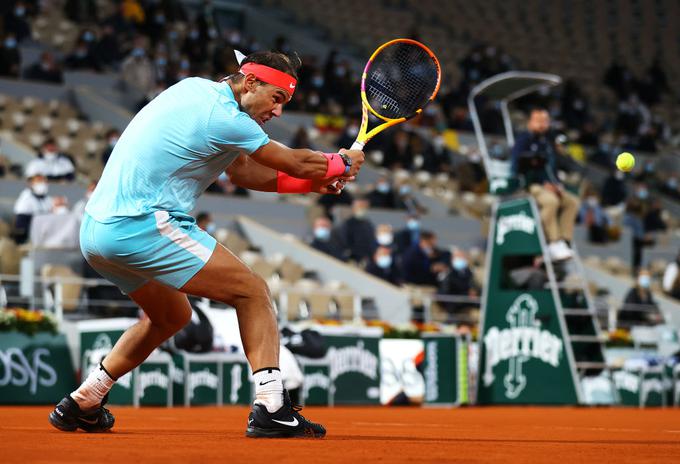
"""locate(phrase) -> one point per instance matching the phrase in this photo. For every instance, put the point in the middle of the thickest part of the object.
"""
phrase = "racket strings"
(401, 80)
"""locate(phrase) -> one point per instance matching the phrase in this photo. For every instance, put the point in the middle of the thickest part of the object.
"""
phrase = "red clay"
(507, 435)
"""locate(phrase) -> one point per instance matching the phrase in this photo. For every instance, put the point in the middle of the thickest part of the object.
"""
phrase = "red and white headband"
(269, 75)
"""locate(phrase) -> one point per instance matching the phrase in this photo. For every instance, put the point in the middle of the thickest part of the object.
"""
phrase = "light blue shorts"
(167, 247)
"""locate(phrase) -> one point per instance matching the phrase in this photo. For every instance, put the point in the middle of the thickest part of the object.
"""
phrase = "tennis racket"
(401, 77)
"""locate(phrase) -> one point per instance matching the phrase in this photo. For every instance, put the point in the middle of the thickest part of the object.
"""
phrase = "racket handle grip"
(357, 145)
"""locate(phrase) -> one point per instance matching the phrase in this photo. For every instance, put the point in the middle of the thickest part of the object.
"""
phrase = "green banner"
(317, 384)
(203, 382)
(236, 386)
(34, 369)
(354, 369)
(152, 379)
(94, 346)
(440, 369)
(523, 356)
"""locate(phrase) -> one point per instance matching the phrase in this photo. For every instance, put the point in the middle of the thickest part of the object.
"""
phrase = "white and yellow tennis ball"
(625, 162)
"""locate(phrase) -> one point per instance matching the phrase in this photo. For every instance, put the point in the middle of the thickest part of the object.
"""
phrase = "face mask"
(113, 141)
(60, 210)
(644, 281)
(360, 213)
(352, 130)
(317, 81)
(39, 188)
(19, 11)
(427, 250)
(643, 194)
(211, 228)
(50, 155)
(161, 61)
(88, 36)
(384, 261)
(10, 43)
(672, 183)
(619, 175)
(405, 189)
(193, 35)
(592, 201)
(413, 224)
(383, 187)
(322, 233)
(138, 52)
(385, 239)
(459, 264)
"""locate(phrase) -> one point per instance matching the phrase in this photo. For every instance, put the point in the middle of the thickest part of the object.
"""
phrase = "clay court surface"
(199, 435)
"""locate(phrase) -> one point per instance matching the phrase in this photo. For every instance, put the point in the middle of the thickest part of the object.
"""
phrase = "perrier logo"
(517, 344)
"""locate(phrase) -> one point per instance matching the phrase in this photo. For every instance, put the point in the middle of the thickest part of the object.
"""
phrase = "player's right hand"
(357, 157)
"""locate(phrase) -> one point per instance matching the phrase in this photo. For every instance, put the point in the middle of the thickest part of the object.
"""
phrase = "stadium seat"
(70, 291)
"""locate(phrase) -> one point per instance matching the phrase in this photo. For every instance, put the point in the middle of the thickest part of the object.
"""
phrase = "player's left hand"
(332, 186)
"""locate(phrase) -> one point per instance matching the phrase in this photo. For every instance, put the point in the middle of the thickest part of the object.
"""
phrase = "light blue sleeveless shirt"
(173, 149)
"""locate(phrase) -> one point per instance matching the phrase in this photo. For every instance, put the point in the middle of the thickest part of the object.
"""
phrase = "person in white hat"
(31, 201)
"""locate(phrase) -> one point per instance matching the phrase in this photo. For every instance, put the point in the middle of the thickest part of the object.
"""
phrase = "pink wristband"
(336, 166)
(288, 184)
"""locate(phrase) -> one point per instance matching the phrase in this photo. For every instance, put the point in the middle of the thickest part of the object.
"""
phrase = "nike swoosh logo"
(92, 422)
(292, 86)
(292, 423)
(268, 381)
(250, 421)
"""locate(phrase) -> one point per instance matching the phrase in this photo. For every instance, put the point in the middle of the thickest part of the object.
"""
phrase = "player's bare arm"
(301, 162)
(247, 173)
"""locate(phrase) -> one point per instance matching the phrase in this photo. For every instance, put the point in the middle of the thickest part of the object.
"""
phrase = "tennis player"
(137, 232)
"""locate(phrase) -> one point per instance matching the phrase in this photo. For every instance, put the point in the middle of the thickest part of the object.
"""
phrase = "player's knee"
(251, 287)
(174, 320)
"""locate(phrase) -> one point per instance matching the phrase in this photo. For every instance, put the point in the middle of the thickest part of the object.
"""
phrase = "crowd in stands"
(407, 256)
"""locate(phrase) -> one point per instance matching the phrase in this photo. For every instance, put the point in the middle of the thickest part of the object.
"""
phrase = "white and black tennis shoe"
(68, 416)
(287, 422)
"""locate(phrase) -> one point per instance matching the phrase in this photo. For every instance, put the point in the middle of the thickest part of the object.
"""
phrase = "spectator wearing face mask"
(31, 201)
(384, 236)
(421, 262)
(10, 57)
(137, 71)
(639, 305)
(382, 196)
(671, 278)
(410, 235)
(614, 191)
(112, 136)
(593, 216)
(636, 209)
(56, 166)
(458, 281)
(405, 199)
(325, 241)
(81, 56)
(358, 233)
(383, 266)
(46, 70)
(204, 220)
(17, 22)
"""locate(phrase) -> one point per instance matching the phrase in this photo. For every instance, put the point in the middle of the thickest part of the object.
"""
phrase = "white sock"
(89, 395)
(269, 388)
